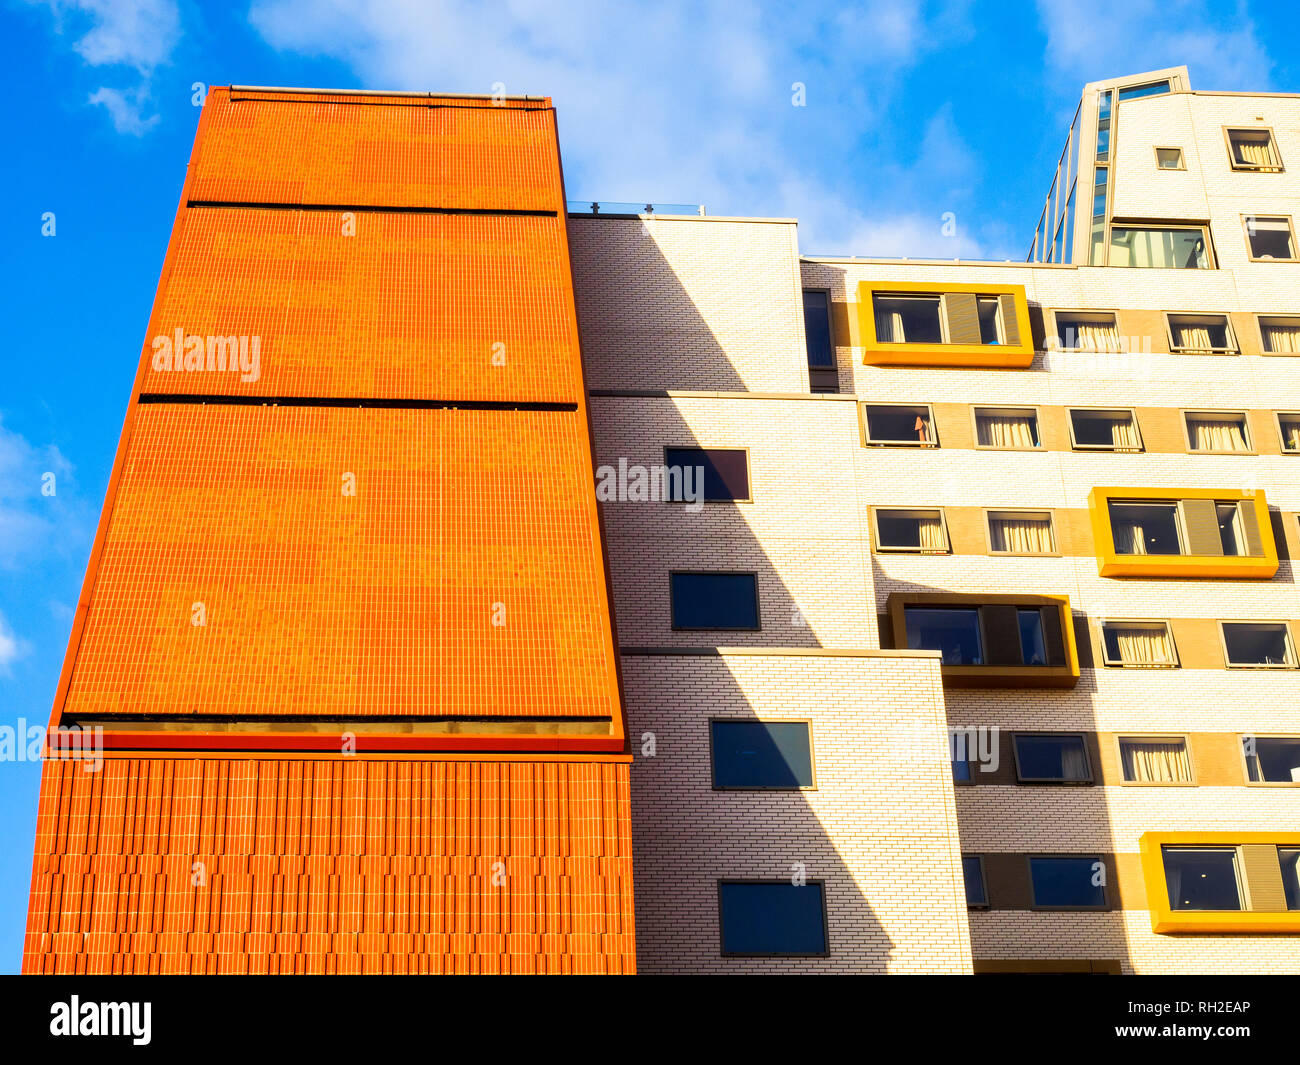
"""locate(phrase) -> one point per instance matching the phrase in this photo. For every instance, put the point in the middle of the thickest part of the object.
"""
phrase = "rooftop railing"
(616, 207)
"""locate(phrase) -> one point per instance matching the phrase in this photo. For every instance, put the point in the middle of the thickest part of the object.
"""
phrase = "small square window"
(1008, 428)
(1258, 644)
(1155, 760)
(1104, 430)
(972, 867)
(1051, 759)
(1272, 759)
(1088, 331)
(1170, 159)
(1068, 883)
(1217, 431)
(899, 425)
(1202, 878)
(1288, 430)
(1269, 238)
(1138, 644)
(1201, 334)
(1021, 532)
(917, 531)
(1253, 149)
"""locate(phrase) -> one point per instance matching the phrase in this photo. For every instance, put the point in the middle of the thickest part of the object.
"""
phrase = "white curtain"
(1074, 763)
(1192, 338)
(1291, 436)
(1094, 336)
(1022, 536)
(1257, 153)
(1218, 435)
(1123, 433)
(1144, 645)
(1280, 337)
(1005, 430)
(1130, 537)
(1156, 761)
(931, 534)
(889, 327)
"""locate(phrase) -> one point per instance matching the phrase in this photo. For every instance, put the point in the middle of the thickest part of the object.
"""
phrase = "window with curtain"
(1105, 430)
(1136, 643)
(1088, 332)
(910, 530)
(1155, 760)
(1145, 528)
(1289, 429)
(1253, 149)
(1200, 334)
(1281, 335)
(1021, 533)
(1062, 758)
(908, 319)
(1010, 428)
(1217, 431)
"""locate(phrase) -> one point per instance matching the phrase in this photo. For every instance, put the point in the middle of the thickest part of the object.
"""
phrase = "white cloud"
(1109, 38)
(11, 647)
(140, 34)
(31, 521)
(126, 108)
(673, 102)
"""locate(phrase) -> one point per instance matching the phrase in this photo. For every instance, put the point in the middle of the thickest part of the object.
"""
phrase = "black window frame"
(713, 765)
(1094, 859)
(722, 931)
(672, 601)
(749, 481)
(1017, 735)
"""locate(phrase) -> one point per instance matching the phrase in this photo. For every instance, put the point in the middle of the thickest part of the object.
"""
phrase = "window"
(1170, 248)
(1269, 237)
(1289, 859)
(1257, 644)
(972, 867)
(1088, 331)
(773, 918)
(1202, 878)
(1288, 431)
(1146, 528)
(1104, 430)
(894, 425)
(989, 309)
(1136, 92)
(954, 631)
(1033, 640)
(1068, 883)
(1170, 159)
(1272, 759)
(1155, 760)
(918, 531)
(761, 754)
(1147, 644)
(1231, 534)
(1217, 431)
(1021, 532)
(714, 600)
(1281, 335)
(817, 329)
(1201, 334)
(1012, 428)
(725, 472)
(1253, 149)
(908, 319)
(1044, 759)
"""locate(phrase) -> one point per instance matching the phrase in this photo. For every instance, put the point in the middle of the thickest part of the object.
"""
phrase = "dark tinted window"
(1256, 643)
(973, 870)
(775, 918)
(714, 600)
(762, 754)
(1066, 882)
(1202, 878)
(817, 328)
(955, 631)
(726, 471)
(1033, 644)
(1290, 859)
(1272, 759)
(1051, 758)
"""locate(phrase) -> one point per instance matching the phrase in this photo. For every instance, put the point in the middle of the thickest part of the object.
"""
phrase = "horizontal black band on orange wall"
(227, 400)
(363, 208)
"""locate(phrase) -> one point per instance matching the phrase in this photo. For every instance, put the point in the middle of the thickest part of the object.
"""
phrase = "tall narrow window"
(1231, 533)
(972, 868)
(1220, 431)
(1006, 427)
(1253, 149)
(1021, 532)
(1033, 640)
(1288, 426)
(1289, 858)
(1281, 335)
(817, 329)
(1138, 643)
(1155, 760)
(989, 309)
(1269, 237)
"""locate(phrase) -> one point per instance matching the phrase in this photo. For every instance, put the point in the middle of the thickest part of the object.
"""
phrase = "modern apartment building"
(1073, 481)
(972, 647)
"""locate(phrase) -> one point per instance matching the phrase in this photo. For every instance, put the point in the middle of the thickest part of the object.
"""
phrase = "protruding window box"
(1182, 532)
(904, 324)
(990, 641)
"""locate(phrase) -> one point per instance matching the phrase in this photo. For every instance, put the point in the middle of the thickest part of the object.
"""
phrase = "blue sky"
(912, 110)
